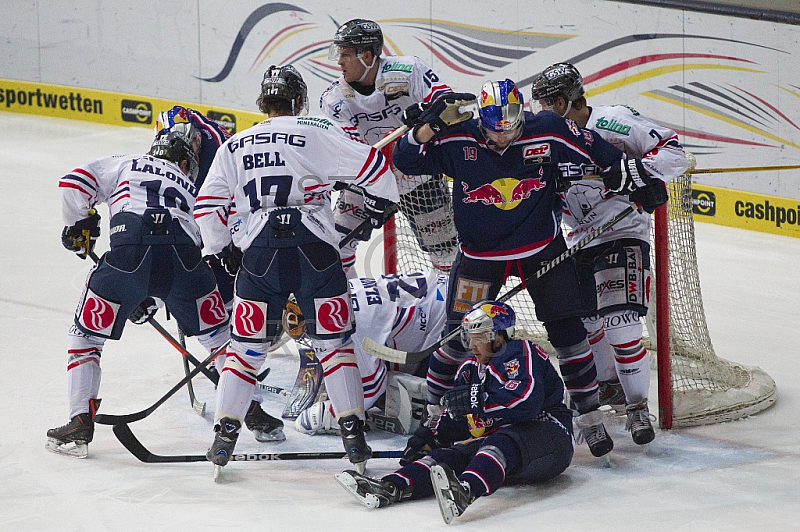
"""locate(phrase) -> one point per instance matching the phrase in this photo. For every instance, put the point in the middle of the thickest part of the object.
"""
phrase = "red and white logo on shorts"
(97, 314)
(211, 310)
(333, 314)
(249, 318)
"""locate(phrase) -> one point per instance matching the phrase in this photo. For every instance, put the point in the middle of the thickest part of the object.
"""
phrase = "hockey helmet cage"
(500, 106)
(560, 79)
(284, 83)
(359, 34)
(178, 144)
(488, 317)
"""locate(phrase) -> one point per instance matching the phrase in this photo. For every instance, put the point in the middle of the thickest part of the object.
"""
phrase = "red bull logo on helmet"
(505, 193)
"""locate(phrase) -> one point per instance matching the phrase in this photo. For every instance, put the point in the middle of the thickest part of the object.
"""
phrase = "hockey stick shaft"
(403, 357)
(198, 407)
(135, 447)
(694, 171)
(111, 419)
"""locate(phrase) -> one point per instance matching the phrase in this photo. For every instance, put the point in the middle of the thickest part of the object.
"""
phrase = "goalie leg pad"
(317, 419)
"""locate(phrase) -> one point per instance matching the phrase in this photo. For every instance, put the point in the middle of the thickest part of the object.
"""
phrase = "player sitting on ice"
(506, 409)
(155, 252)
(402, 312)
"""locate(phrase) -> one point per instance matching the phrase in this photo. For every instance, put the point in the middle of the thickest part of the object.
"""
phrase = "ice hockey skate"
(612, 395)
(73, 438)
(358, 452)
(452, 495)
(317, 419)
(640, 423)
(264, 427)
(227, 432)
(371, 492)
(593, 432)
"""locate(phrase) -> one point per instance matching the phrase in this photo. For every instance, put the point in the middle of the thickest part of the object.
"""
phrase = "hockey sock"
(341, 375)
(237, 380)
(632, 360)
(601, 349)
(417, 475)
(83, 371)
(580, 376)
(486, 471)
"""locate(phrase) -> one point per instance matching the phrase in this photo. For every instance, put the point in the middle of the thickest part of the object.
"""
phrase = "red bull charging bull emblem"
(505, 193)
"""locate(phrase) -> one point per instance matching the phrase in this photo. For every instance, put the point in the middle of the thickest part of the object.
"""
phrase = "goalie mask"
(284, 83)
(178, 144)
(561, 79)
(488, 318)
(359, 34)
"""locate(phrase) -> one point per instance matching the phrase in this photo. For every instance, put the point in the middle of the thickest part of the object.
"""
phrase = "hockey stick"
(274, 389)
(131, 443)
(741, 169)
(198, 407)
(111, 419)
(404, 357)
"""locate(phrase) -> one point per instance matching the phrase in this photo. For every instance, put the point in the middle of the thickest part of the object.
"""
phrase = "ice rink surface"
(743, 475)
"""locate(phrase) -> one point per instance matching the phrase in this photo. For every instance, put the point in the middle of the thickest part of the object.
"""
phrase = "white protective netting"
(705, 388)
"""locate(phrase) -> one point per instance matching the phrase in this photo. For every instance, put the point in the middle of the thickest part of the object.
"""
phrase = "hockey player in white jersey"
(280, 174)
(155, 252)
(615, 268)
(401, 311)
(368, 101)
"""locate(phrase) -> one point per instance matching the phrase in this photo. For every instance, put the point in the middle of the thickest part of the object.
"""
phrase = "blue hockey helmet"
(488, 317)
(500, 106)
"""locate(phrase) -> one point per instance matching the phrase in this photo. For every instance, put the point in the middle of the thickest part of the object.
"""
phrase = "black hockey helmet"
(284, 83)
(360, 34)
(561, 79)
(177, 144)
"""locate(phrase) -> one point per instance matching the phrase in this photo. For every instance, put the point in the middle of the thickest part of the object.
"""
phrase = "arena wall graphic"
(729, 86)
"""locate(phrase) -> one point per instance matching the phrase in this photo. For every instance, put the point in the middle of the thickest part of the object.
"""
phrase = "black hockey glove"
(231, 258)
(82, 236)
(376, 208)
(146, 310)
(412, 114)
(650, 197)
(626, 176)
(445, 112)
(462, 400)
(419, 444)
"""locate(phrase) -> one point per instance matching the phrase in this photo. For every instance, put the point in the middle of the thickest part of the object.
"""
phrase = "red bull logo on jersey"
(505, 193)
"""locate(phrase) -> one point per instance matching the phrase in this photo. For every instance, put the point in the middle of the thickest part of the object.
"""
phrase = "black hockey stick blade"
(405, 357)
(111, 419)
(134, 446)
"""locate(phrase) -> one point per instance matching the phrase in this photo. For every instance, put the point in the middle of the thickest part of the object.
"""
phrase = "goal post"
(695, 386)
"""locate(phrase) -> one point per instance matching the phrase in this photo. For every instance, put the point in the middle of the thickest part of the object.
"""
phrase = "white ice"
(743, 475)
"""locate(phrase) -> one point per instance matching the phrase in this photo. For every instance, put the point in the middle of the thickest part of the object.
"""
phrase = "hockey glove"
(650, 197)
(82, 236)
(231, 258)
(445, 112)
(146, 310)
(376, 208)
(626, 176)
(412, 114)
(419, 444)
(462, 400)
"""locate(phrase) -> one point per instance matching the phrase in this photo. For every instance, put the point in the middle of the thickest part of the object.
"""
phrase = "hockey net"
(696, 387)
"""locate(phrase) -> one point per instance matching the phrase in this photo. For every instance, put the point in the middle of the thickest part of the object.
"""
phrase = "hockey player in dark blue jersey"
(507, 403)
(506, 168)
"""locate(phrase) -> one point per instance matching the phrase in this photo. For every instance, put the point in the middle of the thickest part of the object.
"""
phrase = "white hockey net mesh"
(706, 389)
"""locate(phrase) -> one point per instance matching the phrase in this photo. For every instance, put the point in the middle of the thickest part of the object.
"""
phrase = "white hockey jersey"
(401, 311)
(588, 204)
(130, 183)
(286, 161)
(400, 82)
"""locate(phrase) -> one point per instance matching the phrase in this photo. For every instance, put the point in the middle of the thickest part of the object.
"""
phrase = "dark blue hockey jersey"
(519, 384)
(506, 206)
